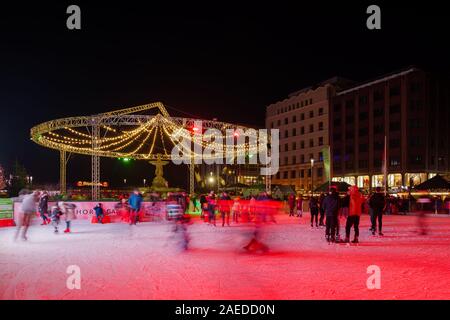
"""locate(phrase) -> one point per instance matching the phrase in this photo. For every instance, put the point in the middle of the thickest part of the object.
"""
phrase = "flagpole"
(329, 167)
(385, 165)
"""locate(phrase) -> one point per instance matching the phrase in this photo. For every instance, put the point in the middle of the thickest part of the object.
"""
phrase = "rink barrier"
(113, 211)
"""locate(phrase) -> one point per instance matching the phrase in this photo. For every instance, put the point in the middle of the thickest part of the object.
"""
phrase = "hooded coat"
(356, 201)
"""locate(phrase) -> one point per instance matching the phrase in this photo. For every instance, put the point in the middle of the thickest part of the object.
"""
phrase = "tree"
(2, 178)
(19, 179)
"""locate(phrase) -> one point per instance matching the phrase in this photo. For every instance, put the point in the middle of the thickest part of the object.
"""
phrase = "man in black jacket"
(377, 203)
(331, 208)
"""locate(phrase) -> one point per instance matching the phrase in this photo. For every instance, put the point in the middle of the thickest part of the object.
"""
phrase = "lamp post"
(144, 182)
(312, 174)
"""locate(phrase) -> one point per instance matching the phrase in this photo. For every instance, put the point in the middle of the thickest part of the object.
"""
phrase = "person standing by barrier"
(135, 202)
(28, 207)
(99, 213)
(43, 208)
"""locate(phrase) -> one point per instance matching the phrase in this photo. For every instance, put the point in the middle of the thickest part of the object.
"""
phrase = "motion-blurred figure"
(135, 202)
(68, 209)
(224, 208)
(99, 213)
(377, 204)
(422, 225)
(180, 231)
(29, 204)
(43, 208)
(331, 207)
(55, 216)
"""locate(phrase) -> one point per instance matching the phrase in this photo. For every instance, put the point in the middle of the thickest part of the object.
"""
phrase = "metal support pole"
(95, 160)
(192, 176)
(62, 172)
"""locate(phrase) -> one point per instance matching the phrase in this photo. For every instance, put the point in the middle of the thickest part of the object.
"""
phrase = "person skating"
(314, 210)
(43, 208)
(212, 204)
(356, 201)
(29, 204)
(224, 207)
(300, 206)
(99, 213)
(135, 202)
(377, 204)
(55, 216)
(291, 203)
(331, 207)
(321, 209)
(68, 210)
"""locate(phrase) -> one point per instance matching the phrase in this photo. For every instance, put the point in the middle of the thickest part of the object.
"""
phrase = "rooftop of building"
(382, 78)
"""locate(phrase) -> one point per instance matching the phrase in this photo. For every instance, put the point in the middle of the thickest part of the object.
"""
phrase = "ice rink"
(118, 261)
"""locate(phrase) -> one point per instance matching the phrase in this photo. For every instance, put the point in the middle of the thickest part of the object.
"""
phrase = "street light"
(144, 182)
(312, 174)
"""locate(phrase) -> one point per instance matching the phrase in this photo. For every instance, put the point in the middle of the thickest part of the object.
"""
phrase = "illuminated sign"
(90, 184)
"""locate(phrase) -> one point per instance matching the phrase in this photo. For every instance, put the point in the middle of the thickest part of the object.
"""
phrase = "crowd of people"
(326, 211)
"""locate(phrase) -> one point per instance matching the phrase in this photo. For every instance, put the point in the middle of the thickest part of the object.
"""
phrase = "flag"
(326, 162)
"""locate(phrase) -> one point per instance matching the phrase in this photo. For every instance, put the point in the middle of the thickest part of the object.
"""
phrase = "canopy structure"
(435, 184)
(340, 186)
(126, 133)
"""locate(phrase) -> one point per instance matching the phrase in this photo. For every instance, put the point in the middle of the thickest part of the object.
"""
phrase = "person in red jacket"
(354, 213)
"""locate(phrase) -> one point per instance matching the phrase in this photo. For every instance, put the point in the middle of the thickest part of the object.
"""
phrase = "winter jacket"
(55, 214)
(356, 201)
(345, 202)
(331, 205)
(291, 201)
(377, 202)
(98, 211)
(135, 201)
(300, 203)
(313, 203)
(43, 204)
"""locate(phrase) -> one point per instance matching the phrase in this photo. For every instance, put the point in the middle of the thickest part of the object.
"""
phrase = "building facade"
(410, 110)
(302, 119)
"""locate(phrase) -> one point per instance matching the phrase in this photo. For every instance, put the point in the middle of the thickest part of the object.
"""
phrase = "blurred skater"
(377, 204)
(68, 209)
(43, 208)
(55, 216)
(99, 213)
(29, 206)
(300, 206)
(291, 203)
(224, 208)
(135, 202)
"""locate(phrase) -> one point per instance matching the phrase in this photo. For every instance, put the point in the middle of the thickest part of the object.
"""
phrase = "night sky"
(211, 59)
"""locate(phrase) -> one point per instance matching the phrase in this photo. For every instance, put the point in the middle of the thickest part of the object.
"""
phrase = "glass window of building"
(320, 126)
(320, 141)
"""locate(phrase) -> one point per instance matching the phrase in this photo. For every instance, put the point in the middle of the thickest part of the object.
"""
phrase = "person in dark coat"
(99, 213)
(224, 208)
(43, 208)
(321, 209)
(331, 208)
(291, 203)
(377, 203)
(314, 210)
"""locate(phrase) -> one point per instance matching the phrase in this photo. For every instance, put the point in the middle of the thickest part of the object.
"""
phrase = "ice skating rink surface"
(118, 261)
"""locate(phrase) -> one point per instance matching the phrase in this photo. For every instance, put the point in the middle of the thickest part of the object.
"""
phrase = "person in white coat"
(29, 208)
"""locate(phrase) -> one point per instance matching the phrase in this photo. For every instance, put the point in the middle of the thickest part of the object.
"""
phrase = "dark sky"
(210, 59)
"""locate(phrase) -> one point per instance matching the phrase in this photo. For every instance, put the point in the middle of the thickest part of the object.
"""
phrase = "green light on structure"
(125, 159)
